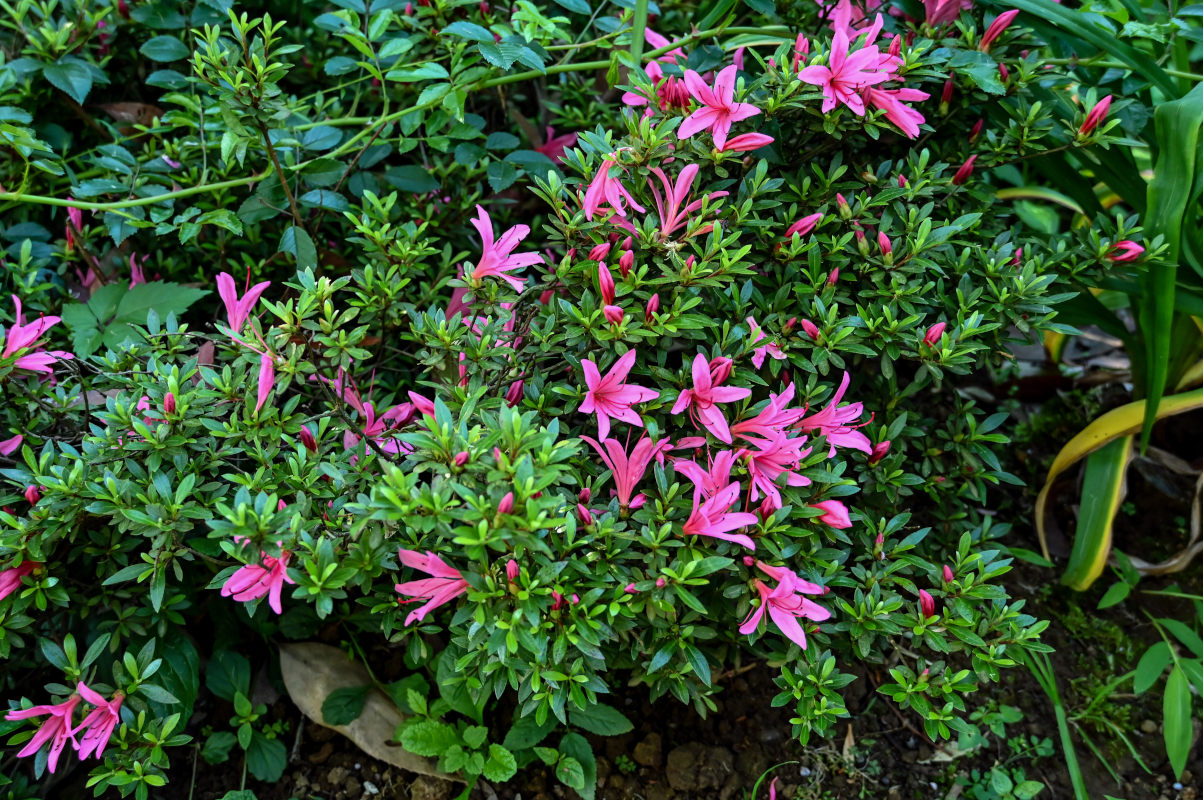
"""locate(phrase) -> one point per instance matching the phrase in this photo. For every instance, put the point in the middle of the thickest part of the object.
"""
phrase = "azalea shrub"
(558, 375)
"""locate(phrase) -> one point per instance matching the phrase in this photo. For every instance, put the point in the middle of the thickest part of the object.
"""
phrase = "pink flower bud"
(660, 583)
(720, 369)
(461, 458)
(834, 514)
(123, 9)
(843, 207)
(281, 505)
(497, 454)
(803, 226)
(584, 514)
(605, 280)
(879, 451)
(584, 495)
(1122, 252)
(599, 252)
(948, 576)
(630, 589)
(513, 395)
(1017, 259)
(308, 440)
(746, 143)
(507, 504)
(810, 329)
(33, 495)
(627, 242)
(545, 296)
(613, 314)
(168, 404)
(976, 130)
(927, 604)
(801, 50)
(895, 48)
(625, 262)
(883, 242)
(996, 28)
(946, 94)
(653, 305)
(1096, 115)
(749, 561)
(932, 337)
(511, 570)
(964, 172)
(833, 276)
(902, 182)
(1004, 74)
(861, 244)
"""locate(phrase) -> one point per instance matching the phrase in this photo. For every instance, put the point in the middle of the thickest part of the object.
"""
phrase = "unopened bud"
(965, 170)
(605, 281)
(599, 252)
(584, 495)
(626, 243)
(886, 246)
(720, 369)
(511, 570)
(613, 314)
(879, 451)
(1004, 74)
(653, 305)
(168, 404)
(625, 262)
(932, 337)
(630, 589)
(976, 130)
(584, 514)
(461, 458)
(833, 276)
(996, 28)
(507, 504)
(842, 205)
(513, 395)
(862, 245)
(1096, 116)
(660, 583)
(33, 495)
(308, 440)
(948, 576)
(810, 329)
(927, 604)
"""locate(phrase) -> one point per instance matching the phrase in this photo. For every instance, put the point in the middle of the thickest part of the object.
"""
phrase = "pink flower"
(837, 424)
(612, 396)
(57, 730)
(606, 188)
(1125, 251)
(1096, 116)
(719, 109)
(746, 142)
(673, 210)
(708, 482)
(498, 258)
(445, 585)
(10, 445)
(99, 724)
(252, 581)
(267, 378)
(627, 470)
(380, 428)
(702, 400)
(940, 12)
(996, 28)
(834, 514)
(714, 518)
(605, 283)
(136, 276)
(773, 419)
(238, 309)
(932, 337)
(613, 314)
(511, 570)
(785, 604)
(10, 579)
(891, 101)
(424, 405)
(670, 91)
(771, 349)
(846, 75)
(26, 337)
(804, 225)
(965, 170)
(772, 458)
(927, 604)
(554, 146)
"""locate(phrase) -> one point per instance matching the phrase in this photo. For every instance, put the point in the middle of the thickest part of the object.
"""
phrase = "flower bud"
(927, 604)
(511, 570)
(513, 395)
(976, 130)
(1017, 259)
(497, 454)
(1004, 74)
(932, 337)
(625, 262)
(630, 589)
(507, 504)
(810, 329)
(895, 48)
(627, 242)
(720, 369)
(584, 495)
(964, 172)
(996, 28)
(887, 247)
(879, 451)
(862, 245)
(1096, 116)
(660, 583)
(946, 94)
(281, 505)
(545, 296)
(605, 281)
(834, 514)
(1125, 251)
(903, 182)
(584, 514)
(309, 440)
(653, 305)
(948, 576)
(613, 314)
(749, 561)
(801, 50)
(599, 252)
(461, 458)
(804, 225)
(33, 495)
(843, 207)
(833, 276)
(123, 9)
(168, 404)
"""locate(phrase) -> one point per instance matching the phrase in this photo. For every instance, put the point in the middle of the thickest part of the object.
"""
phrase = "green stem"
(638, 26)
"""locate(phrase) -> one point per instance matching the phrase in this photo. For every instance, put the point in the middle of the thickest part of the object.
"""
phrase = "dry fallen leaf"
(312, 671)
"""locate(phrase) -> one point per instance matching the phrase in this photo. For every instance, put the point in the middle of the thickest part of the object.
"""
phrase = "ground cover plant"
(559, 347)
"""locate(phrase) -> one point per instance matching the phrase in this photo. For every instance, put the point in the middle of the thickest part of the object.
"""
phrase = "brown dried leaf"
(312, 671)
(138, 113)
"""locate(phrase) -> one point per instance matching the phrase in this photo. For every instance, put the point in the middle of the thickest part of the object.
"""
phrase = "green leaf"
(398, 691)
(1115, 595)
(217, 747)
(979, 67)
(570, 773)
(601, 719)
(324, 198)
(501, 765)
(701, 667)
(343, 706)
(163, 298)
(468, 30)
(73, 78)
(501, 54)
(575, 6)
(298, 242)
(164, 49)
(526, 732)
(431, 71)
(1103, 483)
(266, 758)
(501, 175)
(411, 178)
(1177, 723)
(576, 748)
(428, 738)
(228, 674)
(1151, 665)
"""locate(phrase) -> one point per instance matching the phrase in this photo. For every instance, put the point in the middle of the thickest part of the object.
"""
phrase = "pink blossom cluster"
(94, 730)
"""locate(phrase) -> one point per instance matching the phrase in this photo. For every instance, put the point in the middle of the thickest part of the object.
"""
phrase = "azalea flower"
(267, 378)
(26, 337)
(628, 470)
(611, 396)
(804, 225)
(785, 604)
(445, 585)
(670, 91)
(57, 729)
(892, 101)
(845, 74)
(238, 309)
(11, 444)
(252, 581)
(836, 423)
(773, 419)
(746, 142)
(672, 208)
(771, 349)
(1096, 115)
(719, 110)
(498, 258)
(378, 427)
(714, 518)
(10, 579)
(708, 482)
(703, 398)
(772, 458)
(1122, 252)
(940, 12)
(554, 146)
(98, 726)
(606, 188)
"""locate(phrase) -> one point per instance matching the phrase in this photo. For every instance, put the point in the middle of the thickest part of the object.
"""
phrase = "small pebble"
(1177, 787)
(932, 784)
(357, 766)
(804, 772)
(370, 787)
